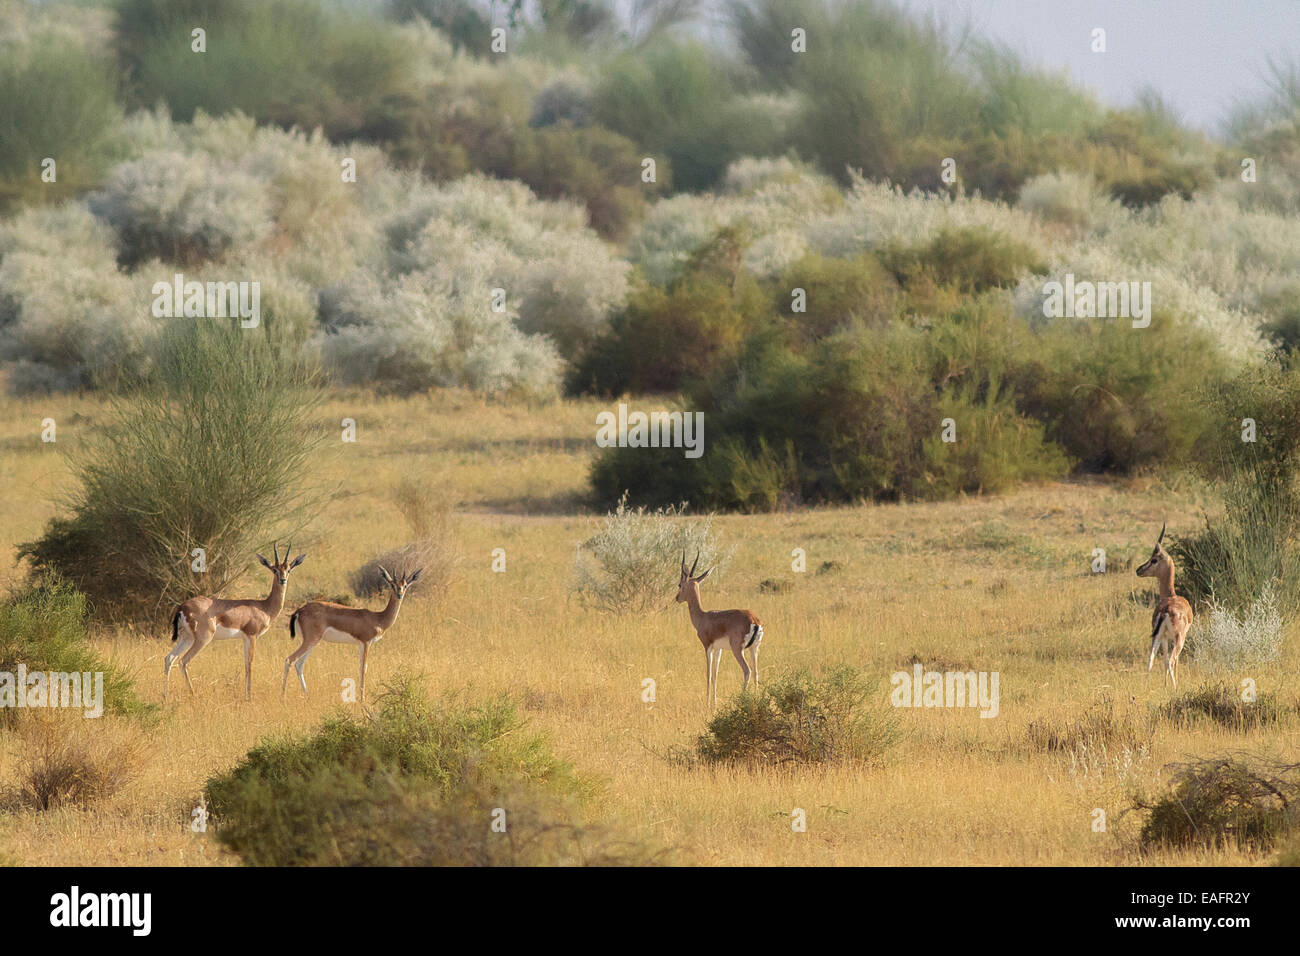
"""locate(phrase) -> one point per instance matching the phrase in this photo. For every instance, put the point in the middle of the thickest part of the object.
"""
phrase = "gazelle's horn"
(683, 560)
(275, 550)
(1162, 532)
(695, 564)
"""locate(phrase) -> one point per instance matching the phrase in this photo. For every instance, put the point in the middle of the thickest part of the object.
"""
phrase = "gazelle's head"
(400, 585)
(281, 568)
(1159, 563)
(689, 584)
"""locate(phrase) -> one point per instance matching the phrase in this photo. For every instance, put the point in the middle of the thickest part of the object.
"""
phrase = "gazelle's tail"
(176, 623)
(292, 619)
(755, 634)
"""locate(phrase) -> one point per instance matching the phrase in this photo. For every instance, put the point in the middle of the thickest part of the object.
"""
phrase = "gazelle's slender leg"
(248, 668)
(717, 664)
(361, 696)
(299, 660)
(182, 645)
(739, 653)
(1155, 647)
(708, 677)
(753, 653)
(201, 640)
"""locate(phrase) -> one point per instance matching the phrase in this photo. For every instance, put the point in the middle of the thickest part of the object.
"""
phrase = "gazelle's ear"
(265, 563)
(704, 575)
(297, 561)
(415, 577)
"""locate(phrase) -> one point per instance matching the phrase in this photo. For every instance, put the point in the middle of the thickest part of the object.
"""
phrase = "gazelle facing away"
(718, 630)
(1172, 616)
(200, 620)
(340, 624)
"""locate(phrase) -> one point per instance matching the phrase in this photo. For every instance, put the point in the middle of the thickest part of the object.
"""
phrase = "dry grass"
(996, 583)
(67, 760)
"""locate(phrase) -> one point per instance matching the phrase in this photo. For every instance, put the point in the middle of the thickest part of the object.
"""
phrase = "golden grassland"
(990, 584)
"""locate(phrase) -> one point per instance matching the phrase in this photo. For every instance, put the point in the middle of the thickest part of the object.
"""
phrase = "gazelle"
(718, 630)
(1172, 616)
(200, 620)
(337, 623)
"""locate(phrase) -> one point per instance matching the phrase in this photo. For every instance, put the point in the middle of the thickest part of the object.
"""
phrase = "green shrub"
(1118, 398)
(43, 627)
(211, 454)
(60, 101)
(678, 100)
(286, 62)
(840, 293)
(1250, 548)
(416, 784)
(664, 339)
(599, 168)
(969, 260)
(1222, 704)
(858, 416)
(1238, 800)
(802, 718)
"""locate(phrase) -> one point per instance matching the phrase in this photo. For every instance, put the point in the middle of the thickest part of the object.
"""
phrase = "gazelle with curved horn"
(740, 630)
(340, 624)
(201, 620)
(1173, 614)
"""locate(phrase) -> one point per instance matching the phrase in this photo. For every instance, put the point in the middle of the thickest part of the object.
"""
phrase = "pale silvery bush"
(772, 201)
(876, 214)
(1225, 641)
(563, 279)
(1070, 198)
(1235, 331)
(415, 333)
(69, 317)
(181, 207)
(223, 199)
(632, 564)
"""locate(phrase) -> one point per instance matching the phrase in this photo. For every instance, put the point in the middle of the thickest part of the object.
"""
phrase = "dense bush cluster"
(797, 267)
(418, 784)
(388, 281)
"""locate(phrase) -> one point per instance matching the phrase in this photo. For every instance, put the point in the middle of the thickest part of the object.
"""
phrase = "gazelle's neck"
(274, 601)
(389, 614)
(693, 603)
(1165, 579)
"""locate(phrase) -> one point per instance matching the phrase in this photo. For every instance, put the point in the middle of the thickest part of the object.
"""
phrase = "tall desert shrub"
(212, 453)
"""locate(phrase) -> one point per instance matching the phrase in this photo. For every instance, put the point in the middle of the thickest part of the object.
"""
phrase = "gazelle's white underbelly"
(335, 636)
(220, 633)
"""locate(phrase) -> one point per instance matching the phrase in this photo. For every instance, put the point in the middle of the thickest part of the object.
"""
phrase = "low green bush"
(415, 784)
(43, 627)
(802, 718)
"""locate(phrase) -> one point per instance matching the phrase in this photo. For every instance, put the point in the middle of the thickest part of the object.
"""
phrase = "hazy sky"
(1202, 55)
